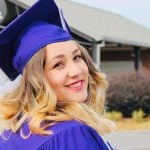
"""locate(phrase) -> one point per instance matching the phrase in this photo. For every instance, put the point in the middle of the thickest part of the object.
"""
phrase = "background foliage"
(129, 92)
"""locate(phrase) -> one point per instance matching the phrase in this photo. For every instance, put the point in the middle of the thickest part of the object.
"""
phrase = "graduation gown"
(68, 135)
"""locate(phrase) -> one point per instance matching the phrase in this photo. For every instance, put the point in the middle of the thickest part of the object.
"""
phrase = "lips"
(76, 85)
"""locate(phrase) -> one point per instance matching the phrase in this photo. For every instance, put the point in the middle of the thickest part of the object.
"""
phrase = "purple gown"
(68, 135)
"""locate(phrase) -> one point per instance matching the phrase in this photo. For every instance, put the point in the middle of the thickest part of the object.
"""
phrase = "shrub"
(138, 115)
(114, 115)
(129, 92)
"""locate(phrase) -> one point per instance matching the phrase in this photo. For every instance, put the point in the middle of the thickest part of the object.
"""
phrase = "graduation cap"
(41, 24)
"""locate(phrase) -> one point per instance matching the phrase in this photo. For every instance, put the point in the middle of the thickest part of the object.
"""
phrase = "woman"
(59, 103)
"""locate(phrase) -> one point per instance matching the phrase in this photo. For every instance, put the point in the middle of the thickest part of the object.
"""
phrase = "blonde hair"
(35, 101)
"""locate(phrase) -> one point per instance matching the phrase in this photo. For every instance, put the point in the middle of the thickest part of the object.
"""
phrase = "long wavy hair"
(34, 100)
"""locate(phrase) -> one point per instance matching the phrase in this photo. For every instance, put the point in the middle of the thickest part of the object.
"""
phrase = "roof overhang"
(100, 25)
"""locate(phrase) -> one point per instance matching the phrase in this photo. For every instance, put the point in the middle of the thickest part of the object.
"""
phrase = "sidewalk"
(130, 140)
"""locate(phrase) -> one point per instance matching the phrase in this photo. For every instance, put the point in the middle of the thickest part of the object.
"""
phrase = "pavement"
(130, 140)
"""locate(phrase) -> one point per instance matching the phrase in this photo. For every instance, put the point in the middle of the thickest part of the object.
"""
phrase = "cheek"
(85, 69)
(56, 80)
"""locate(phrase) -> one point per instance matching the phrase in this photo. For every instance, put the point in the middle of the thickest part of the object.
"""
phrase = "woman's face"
(66, 71)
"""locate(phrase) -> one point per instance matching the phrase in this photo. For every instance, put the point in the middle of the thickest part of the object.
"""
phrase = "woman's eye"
(77, 57)
(58, 65)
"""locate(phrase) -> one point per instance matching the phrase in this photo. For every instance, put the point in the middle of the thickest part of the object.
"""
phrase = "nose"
(74, 70)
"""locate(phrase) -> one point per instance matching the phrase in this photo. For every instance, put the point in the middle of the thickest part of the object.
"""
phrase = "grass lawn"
(130, 124)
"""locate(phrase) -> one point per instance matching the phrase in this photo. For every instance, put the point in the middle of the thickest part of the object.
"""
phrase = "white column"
(97, 53)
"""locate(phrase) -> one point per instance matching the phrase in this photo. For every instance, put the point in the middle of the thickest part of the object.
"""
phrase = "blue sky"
(136, 10)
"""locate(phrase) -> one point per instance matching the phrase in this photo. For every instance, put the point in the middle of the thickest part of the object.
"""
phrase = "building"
(116, 43)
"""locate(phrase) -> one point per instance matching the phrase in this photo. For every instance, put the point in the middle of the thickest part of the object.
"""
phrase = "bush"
(138, 115)
(114, 115)
(129, 92)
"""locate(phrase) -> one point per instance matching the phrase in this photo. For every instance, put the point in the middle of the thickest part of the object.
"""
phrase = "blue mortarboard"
(41, 24)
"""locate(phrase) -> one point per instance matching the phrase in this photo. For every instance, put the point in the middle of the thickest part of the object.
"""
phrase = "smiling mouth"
(76, 86)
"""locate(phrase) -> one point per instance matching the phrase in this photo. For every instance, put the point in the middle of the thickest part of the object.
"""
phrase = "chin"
(82, 99)
(76, 98)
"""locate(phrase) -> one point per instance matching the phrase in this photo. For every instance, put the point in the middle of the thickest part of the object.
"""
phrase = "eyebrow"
(76, 50)
(60, 56)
